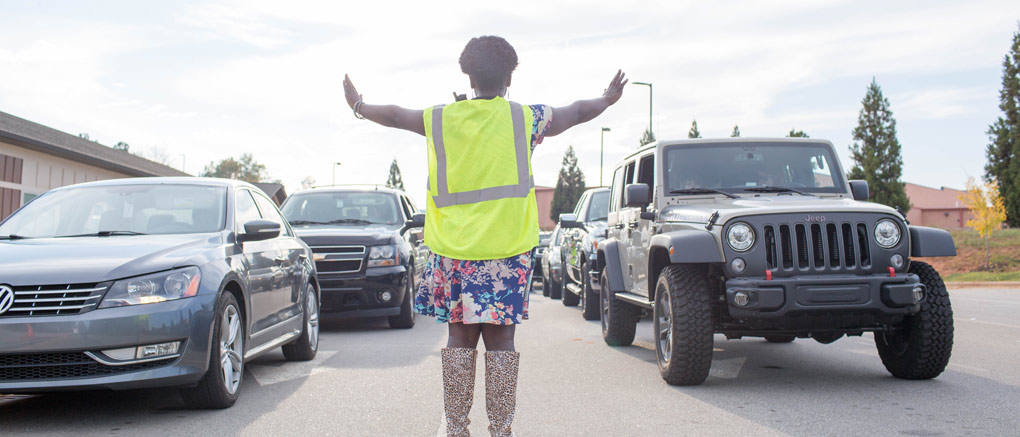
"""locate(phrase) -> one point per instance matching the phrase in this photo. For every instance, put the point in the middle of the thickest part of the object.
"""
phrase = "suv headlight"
(887, 233)
(154, 288)
(383, 256)
(740, 237)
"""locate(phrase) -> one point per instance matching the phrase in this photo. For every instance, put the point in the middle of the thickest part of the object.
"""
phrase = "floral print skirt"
(488, 291)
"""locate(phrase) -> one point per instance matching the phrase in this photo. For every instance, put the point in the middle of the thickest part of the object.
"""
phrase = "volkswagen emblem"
(6, 298)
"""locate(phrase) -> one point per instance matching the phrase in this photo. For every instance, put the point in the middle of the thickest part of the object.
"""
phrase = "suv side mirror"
(569, 221)
(637, 196)
(416, 221)
(859, 189)
(258, 230)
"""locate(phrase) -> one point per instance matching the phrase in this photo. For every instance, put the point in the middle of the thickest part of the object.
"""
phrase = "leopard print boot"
(458, 388)
(501, 390)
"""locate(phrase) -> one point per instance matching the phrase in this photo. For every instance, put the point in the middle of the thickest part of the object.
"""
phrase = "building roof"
(923, 197)
(47, 140)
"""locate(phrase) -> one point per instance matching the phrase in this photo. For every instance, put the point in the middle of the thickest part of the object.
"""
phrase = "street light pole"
(335, 165)
(184, 161)
(602, 149)
(649, 85)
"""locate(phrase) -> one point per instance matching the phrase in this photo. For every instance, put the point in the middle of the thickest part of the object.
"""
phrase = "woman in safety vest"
(481, 219)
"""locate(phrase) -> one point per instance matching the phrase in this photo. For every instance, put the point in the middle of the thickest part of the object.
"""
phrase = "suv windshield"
(121, 210)
(342, 208)
(598, 209)
(739, 166)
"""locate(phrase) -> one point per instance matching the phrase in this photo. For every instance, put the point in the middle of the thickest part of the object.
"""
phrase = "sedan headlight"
(740, 237)
(383, 256)
(887, 233)
(154, 288)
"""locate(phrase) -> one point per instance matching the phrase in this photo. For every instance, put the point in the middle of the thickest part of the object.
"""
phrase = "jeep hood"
(699, 212)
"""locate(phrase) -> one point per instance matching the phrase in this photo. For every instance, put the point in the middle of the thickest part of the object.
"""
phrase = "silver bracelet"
(357, 110)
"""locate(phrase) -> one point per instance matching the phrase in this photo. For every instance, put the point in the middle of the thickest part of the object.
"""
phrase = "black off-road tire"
(405, 320)
(920, 349)
(590, 308)
(555, 289)
(780, 338)
(619, 319)
(690, 332)
(305, 347)
(210, 392)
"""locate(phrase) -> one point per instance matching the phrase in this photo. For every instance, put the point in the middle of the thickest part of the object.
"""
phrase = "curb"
(982, 284)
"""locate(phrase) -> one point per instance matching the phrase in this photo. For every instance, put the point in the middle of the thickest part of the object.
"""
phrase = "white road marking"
(974, 320)
(269, 375)
(442, 426)
(977, 369)
(995, 301)
(727, 369)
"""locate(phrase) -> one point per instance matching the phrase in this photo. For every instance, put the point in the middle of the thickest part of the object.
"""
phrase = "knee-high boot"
(501, 390)
(458, 388)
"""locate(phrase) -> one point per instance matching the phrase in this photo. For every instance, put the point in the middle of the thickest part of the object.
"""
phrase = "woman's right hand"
(350, 92)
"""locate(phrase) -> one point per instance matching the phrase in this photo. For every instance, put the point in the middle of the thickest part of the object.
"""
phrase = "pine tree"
(797, 134)
(736, 132)
(1004, 150)
(395, 181)
(569, 186)
(647, 137)
(876, 151)
(694, 132)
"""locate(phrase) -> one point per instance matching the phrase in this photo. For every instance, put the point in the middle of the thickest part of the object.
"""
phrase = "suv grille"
(52, 300)
(338, 259)
(820, 246)
(30, 367)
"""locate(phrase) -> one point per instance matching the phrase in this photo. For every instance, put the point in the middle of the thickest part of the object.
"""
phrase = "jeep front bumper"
(875, 295)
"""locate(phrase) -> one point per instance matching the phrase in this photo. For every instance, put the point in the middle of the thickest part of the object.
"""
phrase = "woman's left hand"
(350, 92)
(615, 90)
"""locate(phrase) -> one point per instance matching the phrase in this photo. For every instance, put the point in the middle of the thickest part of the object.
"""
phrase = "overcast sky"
(206, 80)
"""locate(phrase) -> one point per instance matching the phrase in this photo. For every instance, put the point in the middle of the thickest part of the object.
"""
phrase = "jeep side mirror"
(416, 221)
(569, 221)
(258, 230)
(859, 189)
(637, 196)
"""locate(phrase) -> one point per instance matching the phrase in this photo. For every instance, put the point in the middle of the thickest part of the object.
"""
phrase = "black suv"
(368, 248)
(765, 238)
(583, 230)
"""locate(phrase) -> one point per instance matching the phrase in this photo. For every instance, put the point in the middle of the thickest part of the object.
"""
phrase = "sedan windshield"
(753, 168)
(120, 210)
(342, 208)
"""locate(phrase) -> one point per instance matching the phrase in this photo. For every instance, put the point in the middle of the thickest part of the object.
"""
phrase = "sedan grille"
(33, 367)
(819, 246)
(53, 300)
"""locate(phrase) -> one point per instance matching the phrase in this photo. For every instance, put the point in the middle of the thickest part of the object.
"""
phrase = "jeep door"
(620, 218)
(642, 230)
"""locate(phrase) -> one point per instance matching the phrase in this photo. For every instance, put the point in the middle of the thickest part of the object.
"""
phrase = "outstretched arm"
(581, 111)
(386, 115)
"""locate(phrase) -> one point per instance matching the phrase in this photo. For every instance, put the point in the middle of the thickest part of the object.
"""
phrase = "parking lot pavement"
(370, 380)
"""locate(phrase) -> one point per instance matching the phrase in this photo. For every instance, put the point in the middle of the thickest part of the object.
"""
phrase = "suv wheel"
(683, 325)
(556, 287)
(305, 347)
(619, 319)
(921, 346)
(569, 298)
(219, 387)
(589, 298)
(405, 320)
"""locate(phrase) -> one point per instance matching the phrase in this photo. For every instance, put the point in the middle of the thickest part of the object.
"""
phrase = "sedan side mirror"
(637, 196)
(859, 189)
(258, 230)
(568, 221)
(416, 221)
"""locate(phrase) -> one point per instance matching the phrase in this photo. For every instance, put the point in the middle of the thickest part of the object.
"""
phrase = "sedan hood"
(367, 235)
(77, 260)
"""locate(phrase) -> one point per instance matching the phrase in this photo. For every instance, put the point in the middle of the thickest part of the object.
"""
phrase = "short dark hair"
(489, 60)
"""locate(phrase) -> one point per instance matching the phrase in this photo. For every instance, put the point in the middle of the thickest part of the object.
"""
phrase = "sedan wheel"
(231, 350)
(219, 387)
(305, 347)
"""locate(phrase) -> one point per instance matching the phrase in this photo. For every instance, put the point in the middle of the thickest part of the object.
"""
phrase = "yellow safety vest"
(481, 193)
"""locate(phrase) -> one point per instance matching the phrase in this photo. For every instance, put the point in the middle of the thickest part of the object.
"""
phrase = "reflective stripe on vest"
(524, 180)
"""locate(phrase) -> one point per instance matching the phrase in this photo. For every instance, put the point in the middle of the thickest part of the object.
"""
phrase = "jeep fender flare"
(609, 262)
(688, 246)
(925, 241)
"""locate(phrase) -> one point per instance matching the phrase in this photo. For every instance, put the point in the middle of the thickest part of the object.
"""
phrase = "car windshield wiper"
(350, 221)
(776, 189)
(700, 190)
(13, 237)
(102, 234)
(307, 222)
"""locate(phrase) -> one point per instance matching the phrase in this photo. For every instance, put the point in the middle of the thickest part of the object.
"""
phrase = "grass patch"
(969, 263)
(984, 276)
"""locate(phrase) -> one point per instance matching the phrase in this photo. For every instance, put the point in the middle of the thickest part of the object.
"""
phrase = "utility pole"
(602, 149)
(649, 85)
(335, 165)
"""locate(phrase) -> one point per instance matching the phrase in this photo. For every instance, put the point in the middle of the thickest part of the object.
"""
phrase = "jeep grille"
(819, 246)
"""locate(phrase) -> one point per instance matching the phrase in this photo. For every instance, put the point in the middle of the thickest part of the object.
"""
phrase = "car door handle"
(619, 226)
(633, 225)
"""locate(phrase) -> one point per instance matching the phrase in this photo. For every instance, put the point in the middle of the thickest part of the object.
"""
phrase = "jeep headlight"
(740, 237)
(383, 256)
(154, 288)
(887, 233)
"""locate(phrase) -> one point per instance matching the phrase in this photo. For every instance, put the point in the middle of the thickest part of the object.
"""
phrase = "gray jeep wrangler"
(765, 238)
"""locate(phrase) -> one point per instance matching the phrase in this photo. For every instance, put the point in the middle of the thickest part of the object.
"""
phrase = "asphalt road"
(369, 380)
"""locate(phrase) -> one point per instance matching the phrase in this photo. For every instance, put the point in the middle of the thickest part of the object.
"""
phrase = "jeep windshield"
(782, 168)
(342, 208)
(120, 211)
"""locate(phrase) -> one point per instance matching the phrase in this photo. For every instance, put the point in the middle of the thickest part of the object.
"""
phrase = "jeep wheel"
(569, 298)
(589, 298)
(405, 320)
(921, 346)
(683, 325)
(780, 338)
(619, 319)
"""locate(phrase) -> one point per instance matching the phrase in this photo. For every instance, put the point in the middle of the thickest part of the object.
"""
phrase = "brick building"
(936, 207)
